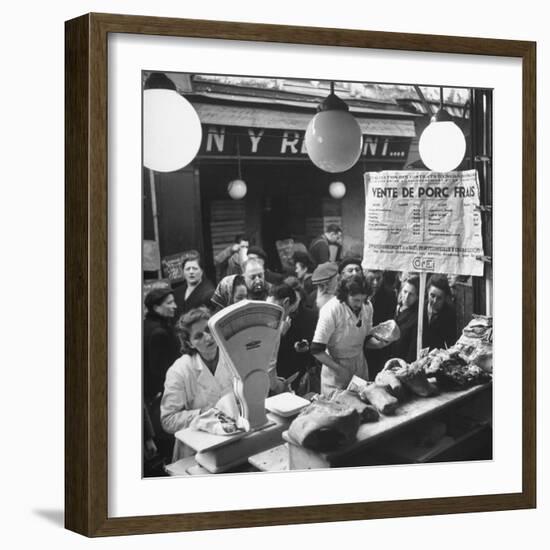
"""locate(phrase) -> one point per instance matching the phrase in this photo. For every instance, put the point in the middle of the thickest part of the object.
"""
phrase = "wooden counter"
(408, 416)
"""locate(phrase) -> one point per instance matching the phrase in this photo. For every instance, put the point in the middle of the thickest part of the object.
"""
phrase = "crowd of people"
(330, 305)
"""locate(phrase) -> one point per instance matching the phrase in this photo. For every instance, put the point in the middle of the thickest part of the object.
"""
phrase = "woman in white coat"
(197, 380)
(344, 323)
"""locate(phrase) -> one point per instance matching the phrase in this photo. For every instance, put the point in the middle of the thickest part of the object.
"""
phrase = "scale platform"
(219, 453)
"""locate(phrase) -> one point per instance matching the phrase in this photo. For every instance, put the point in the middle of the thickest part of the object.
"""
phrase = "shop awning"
(222, 115)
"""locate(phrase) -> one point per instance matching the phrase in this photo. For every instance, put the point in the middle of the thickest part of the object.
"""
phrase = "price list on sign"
(423, 221)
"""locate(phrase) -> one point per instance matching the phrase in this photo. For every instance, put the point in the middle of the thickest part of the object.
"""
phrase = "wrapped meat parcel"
(387, 331)
(367, 412)
(325, 425)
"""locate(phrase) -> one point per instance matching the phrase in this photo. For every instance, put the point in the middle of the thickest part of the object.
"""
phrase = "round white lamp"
(442, 144)
(172, 131)
(333, 137)
(337, 189)
(237, 189)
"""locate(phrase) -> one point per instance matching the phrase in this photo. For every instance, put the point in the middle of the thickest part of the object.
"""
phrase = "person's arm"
(319, 352)
(175, 413)
(326, 326)
(224, 255)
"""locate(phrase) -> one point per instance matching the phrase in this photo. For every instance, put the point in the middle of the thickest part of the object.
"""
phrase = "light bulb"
(333, 140)
(442, 146)
(337, 189)
(237, 189)
(172, 130)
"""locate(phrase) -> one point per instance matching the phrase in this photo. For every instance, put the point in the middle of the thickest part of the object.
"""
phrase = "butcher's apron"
(346, 348)
(210, 389)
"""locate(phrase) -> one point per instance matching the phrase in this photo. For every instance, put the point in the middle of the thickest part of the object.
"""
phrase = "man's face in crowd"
(436, 299)
(375, 280)
(334, 237)
(351, 270)
(290, 309)
(300, 270)
(254, 277)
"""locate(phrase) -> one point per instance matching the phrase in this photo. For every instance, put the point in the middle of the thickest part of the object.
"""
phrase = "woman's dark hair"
(305, 259)
(413, 280)
(192, 259)
(351, 287)
(441, 282)
(184, 324)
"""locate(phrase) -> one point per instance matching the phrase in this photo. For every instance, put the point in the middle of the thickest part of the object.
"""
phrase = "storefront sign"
(423, 221)
(268, 142)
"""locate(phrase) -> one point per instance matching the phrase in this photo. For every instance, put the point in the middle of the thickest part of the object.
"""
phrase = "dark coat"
(440, 331)
(160, 349)
(320, 252)
(383, 303)
(199, 297)
(289, 360)
(405, 347)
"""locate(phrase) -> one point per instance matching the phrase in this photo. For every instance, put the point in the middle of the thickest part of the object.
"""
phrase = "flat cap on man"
(324, 272)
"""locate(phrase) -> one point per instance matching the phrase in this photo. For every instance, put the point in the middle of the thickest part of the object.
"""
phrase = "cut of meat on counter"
(379, 398)
(452, 370)
(367, 412)
(325, 425)
(413, 376)
(476, 343)
(387, 379)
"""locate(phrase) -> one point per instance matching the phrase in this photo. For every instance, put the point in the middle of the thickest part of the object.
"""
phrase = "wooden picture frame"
(86, 279)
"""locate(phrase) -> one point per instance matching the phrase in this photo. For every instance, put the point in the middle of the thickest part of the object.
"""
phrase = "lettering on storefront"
(263, 142)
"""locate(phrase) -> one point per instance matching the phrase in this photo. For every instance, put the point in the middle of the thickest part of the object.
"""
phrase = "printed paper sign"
(423, 221)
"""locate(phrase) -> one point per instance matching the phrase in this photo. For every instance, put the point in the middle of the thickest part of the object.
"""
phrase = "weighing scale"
(247, 333)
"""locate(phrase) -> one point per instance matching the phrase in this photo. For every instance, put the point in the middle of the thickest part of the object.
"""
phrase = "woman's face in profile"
(409, 296)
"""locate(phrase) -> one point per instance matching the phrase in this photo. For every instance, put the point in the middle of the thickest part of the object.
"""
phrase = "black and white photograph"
(317, 274)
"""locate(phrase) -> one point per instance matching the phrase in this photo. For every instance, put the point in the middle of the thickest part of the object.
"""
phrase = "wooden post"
(155, 214)
(421, 298)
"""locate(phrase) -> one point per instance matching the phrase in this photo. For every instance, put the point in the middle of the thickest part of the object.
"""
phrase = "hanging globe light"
(337, 189)
(442, 144)
(172, 131)
(333, 137)
(237, 189)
